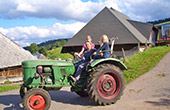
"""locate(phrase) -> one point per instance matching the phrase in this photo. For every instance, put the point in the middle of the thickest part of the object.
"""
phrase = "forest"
(159, 21)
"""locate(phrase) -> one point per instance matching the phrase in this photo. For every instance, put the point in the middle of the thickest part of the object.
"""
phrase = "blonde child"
(105, 47)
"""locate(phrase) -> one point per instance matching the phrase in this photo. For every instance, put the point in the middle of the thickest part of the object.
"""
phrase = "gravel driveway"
(150, 91)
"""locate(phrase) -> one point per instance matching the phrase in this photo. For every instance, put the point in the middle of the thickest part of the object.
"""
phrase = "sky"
(28, 21)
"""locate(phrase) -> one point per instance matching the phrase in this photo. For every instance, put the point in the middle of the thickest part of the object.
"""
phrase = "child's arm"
(102, 47)
(82, 50)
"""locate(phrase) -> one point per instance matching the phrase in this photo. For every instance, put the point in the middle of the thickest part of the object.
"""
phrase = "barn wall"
(12, 71)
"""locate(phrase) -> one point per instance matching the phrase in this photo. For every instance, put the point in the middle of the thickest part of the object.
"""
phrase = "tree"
(33, 48)
(43, 50)
(57, 44)
(54, 46)
(62, 42)
(49, 47)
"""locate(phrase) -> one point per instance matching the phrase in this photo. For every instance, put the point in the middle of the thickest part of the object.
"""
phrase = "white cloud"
(26, 35)
(76, 10)
(145, 10)
(22, 43)
(83, 11)
(25, 7)
(59, 9)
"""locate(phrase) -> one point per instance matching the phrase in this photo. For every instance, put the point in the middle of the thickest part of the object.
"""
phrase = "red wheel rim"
(36, 101)
(108, 85)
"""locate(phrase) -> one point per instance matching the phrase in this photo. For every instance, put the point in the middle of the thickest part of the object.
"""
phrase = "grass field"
(137, 64)
(142, 62)
(56, 53)
(8, 88)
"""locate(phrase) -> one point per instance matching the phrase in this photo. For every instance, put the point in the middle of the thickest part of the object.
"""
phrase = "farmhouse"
(114, 24)
(11, 57)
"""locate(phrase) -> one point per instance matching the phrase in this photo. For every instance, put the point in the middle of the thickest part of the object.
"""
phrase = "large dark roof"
(143, 28)
(113, 24)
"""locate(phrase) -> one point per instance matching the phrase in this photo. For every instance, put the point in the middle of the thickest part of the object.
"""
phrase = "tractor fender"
(113, 61)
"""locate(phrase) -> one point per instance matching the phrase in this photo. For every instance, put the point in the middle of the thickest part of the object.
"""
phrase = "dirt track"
(150, 91)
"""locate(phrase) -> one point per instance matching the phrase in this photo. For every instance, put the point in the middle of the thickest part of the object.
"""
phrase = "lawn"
(56, 53)
(8, 88)
(142, 62)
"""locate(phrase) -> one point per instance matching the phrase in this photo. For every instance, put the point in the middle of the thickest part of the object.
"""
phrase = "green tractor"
(102, 81)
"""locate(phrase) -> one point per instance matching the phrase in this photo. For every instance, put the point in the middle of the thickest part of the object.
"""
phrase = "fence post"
(124, 56)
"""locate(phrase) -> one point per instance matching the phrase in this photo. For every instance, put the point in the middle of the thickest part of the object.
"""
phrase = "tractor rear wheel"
(37, 99)
(106, 84)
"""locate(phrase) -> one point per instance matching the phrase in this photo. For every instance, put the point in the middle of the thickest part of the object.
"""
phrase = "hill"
(159, 21)
(142, 62)
(56, 53)
(46, 43)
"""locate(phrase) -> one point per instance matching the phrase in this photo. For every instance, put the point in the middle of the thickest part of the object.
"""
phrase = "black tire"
(21, 91)
(37, 99)
(106, 84)
(83, 93)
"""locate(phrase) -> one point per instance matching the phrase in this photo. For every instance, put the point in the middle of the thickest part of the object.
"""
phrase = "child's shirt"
(84, 45)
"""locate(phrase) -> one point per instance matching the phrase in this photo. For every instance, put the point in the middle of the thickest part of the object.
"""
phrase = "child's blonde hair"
(105, 37)
(89, 37)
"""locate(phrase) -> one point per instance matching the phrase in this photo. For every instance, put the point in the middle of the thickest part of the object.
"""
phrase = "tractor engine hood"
(34, 63)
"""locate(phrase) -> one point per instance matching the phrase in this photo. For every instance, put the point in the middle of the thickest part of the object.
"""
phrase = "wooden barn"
(11, 57)
(113, 23)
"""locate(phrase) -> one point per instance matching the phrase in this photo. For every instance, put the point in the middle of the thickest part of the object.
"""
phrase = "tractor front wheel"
(23, 90)
(37, 99)
(106, 84)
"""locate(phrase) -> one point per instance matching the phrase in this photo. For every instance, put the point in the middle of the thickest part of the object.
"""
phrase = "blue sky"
(28, 21)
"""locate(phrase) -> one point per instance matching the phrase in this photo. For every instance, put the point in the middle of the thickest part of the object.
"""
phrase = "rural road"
(150, 91)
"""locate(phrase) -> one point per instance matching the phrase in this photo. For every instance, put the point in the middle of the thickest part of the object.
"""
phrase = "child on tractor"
(88, 39)
(85, 56)
(104, 48)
